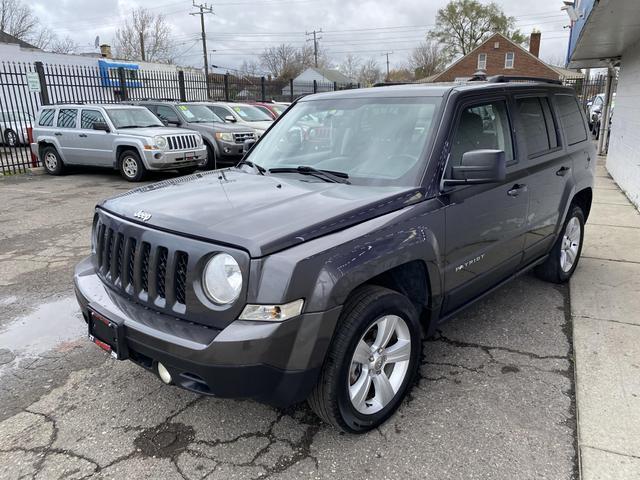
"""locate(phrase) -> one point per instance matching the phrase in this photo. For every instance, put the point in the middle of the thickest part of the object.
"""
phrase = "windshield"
(250, 114)
(198, 114)
(375, 141)
(133, 117)
(279, 109)
(15, 116)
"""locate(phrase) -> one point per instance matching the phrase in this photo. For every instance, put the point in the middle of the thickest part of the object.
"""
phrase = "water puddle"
(43, 329)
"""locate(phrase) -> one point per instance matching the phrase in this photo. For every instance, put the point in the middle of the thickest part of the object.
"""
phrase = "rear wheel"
(565, 254)
(371, 363)
(131, 167)
(51, 160)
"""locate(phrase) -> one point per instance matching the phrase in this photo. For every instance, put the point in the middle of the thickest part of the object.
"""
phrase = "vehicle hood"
(260, 125)
(260, 214)
(153, 131)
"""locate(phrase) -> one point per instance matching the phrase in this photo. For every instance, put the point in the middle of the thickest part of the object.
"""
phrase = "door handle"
(83, 135)
(516, 189)
(563, 171)
(58, 134)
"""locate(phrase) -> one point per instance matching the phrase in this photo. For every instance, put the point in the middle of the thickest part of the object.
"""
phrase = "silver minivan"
(126, 137)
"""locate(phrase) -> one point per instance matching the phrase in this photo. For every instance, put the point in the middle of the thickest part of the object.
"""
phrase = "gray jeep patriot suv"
(359, 222)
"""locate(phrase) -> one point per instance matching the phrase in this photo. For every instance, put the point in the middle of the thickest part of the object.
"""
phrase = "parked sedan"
(14, 126)
(242, 114)
(273, 109)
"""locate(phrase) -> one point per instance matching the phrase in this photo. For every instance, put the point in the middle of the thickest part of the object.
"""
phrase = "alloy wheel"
(51, 161)
(12, 139)
(379, 364)
(130, 167)
(570, 244)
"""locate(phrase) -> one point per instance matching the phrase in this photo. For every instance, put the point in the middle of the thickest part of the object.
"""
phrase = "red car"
(274, 110)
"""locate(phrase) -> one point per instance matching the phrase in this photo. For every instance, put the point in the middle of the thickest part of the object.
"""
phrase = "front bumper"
(275, 363)
(172, 159)
(230, 150)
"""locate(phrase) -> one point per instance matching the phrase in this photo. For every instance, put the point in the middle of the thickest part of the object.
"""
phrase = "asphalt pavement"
(495, 398)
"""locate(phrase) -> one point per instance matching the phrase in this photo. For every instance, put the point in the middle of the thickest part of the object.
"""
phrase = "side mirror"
(230, 118)
(479, 166)
(101, 126)
(248, 145)
(589, 103)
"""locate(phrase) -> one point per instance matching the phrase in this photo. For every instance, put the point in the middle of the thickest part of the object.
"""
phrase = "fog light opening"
(165, 376)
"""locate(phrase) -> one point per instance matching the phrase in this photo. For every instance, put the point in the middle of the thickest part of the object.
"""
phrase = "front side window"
(46, 118)
(221, 112)
(375, 141)
(484, 126)
(167, 114)
(571, 119)
(537, 124)
(88, 118)
(509, 58)
(482, 61)
(67, 117)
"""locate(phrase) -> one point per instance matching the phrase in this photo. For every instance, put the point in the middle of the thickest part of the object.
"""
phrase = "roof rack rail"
(70, 102)
(515, 78)
(390, 84)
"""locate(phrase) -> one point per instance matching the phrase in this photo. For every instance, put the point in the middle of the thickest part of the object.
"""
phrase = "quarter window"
(509, 59)
(571, 119)
(482, 61)
(537, 124)
(482, 126)
(46, 118)
(90, 117)
(67, 117)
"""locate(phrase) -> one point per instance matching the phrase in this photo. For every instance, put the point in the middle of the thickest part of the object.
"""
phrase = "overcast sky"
(241, 29)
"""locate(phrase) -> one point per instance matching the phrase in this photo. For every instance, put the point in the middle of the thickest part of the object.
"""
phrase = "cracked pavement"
(494, 398)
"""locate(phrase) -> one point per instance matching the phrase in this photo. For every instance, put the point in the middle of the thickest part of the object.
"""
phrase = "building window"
(482, 61)
(508, 59)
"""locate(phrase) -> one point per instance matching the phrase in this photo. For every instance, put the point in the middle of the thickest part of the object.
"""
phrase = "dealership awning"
(604, 29)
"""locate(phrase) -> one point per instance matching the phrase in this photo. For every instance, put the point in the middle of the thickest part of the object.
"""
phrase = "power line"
(204, 10)
(315, 43)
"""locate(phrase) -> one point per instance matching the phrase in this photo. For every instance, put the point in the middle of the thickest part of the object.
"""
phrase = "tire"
(51, 160)
(367, 311)
(131, 167)
(10, 138)
(565, 254)
(212, 163)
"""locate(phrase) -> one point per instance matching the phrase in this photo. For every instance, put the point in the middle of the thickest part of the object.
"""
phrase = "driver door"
(485, 224)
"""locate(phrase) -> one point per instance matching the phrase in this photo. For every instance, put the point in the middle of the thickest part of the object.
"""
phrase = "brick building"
(500, 56)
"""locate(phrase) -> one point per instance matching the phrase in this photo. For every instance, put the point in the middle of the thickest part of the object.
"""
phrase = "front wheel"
(565, 254)
(371, 363)
(11, 138)
(131, 167)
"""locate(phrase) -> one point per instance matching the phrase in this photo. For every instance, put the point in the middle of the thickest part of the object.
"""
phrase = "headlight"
(272, 313)
(160, 142)
(199, 140)
(224, 136)
(222, 279)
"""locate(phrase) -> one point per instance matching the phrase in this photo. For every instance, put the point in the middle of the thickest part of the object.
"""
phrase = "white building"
(607, 34)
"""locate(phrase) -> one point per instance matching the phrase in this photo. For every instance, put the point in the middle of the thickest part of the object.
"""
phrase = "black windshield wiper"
(258, 168)
(130, 126)
(330, 175)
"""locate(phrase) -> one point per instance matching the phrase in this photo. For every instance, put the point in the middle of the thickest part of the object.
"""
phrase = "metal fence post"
(315, 86)
(335, 86)
(181, 86)
(226, 87)
(124, 94)
(358, 84)
(291, 89)
(44, 92)
(263, 89)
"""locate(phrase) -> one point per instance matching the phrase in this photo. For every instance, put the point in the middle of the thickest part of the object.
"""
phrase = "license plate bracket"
(189, 155)
(108, 335)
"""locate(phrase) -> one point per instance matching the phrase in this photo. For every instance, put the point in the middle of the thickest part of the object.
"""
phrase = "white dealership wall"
(623, 159)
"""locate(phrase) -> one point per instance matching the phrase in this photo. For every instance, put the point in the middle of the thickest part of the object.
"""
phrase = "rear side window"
(67, 117)
(571, 119)
(537, 123)
(90, 117)
(46, 118)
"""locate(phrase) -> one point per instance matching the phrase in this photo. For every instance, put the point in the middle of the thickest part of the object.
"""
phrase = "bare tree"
(144, 36)
(370, 72)
(350, 66)
(462, 25)
(64, 45)
(281, 61)
(427, 59)
(17, 19)
(250, 69)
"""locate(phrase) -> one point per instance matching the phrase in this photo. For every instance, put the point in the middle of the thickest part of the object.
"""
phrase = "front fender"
(129, 143)
(326, 270)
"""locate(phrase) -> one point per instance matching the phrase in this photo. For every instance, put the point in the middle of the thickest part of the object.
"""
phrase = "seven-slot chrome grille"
(241, 137)
(150, 272)
(182, 142)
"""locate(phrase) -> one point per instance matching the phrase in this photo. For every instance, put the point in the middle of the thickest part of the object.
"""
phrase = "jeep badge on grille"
(142, 215)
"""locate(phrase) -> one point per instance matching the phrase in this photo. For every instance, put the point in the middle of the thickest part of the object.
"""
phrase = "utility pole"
(204, 8)
(142, 46)
(315, 43)
(387, 55)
